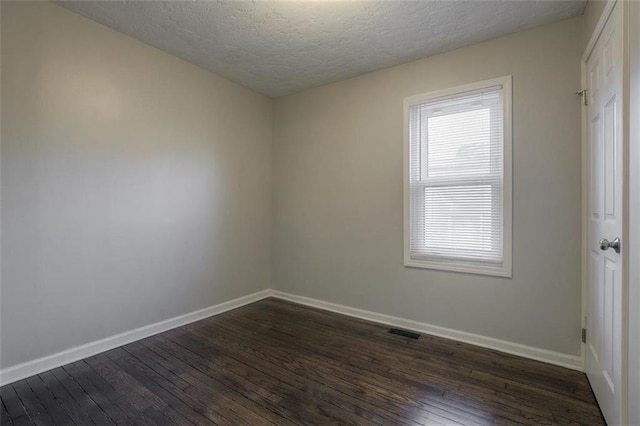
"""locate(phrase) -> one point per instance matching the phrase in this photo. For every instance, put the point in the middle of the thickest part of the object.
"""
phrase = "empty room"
(320, 212)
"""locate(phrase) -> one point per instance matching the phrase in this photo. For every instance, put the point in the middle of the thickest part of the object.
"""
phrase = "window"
(458, 179)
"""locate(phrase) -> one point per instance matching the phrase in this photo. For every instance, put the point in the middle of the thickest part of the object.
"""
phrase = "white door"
(605, 310)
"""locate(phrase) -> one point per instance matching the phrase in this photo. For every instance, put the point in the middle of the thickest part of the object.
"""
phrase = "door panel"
(608, 316)
(609, 158)
(596, 317)
(596, 169)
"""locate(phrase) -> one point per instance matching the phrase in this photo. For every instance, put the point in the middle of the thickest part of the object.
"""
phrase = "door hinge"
(584, 335)
(583, 95)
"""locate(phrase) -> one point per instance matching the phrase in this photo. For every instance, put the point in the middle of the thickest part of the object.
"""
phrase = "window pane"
(459, 143)
(458, 221)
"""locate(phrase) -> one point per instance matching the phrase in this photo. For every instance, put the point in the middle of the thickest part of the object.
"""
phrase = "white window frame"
(503, 269)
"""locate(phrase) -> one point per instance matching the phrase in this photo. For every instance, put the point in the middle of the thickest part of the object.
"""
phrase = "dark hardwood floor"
(275, 362)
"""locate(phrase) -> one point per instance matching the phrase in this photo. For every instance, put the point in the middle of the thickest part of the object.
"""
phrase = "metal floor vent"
(405, 333)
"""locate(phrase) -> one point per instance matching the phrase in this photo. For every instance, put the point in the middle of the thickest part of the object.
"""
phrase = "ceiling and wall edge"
(282, 48)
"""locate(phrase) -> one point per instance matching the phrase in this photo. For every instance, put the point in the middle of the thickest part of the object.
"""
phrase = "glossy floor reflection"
(274, 362)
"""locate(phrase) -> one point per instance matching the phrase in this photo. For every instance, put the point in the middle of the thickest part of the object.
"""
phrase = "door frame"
(633, 23)
(586, 179)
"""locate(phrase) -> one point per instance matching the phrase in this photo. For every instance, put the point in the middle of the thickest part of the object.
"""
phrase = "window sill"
(496, 271)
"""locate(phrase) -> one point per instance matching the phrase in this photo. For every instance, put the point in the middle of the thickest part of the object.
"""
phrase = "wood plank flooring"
(275, 362)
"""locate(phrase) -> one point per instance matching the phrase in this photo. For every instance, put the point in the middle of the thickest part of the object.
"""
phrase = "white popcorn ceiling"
(282, 47)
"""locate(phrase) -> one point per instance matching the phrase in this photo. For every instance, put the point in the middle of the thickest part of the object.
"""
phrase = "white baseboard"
(30, 368)
(36, 366)
(573, 362)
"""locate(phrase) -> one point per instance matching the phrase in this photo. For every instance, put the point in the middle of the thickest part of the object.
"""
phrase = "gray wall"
(591, 16)
(135, 186)
(338, 193)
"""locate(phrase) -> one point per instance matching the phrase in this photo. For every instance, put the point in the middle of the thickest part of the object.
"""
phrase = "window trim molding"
(505, 268)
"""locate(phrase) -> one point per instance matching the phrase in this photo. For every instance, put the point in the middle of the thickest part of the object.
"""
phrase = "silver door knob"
(606, 244)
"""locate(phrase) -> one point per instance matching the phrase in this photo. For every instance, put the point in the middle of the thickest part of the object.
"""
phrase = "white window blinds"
(456, 178)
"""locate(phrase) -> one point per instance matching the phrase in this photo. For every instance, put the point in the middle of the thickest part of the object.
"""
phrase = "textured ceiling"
(282, 47)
